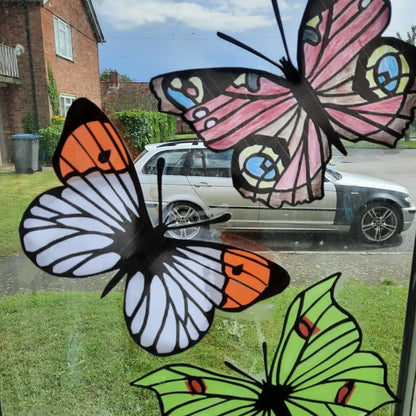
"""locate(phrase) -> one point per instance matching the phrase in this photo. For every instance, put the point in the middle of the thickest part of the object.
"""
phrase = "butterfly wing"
(81, 228)
(189, 390)
(319, 359)
(317, 370)
(279, 155)
(365, 83)
(332, 33)
(169, 306)
(275, 171)
(224, 105)
(384, 91)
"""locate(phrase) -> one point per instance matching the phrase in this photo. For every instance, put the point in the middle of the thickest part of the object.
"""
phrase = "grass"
(70, 353)
(17, 192)
(401, 144)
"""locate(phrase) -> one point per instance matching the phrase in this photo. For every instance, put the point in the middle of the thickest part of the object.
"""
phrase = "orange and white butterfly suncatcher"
(97, 222)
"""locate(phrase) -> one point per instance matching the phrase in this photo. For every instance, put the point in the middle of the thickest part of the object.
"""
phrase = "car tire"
(183, 213)
(378, 222)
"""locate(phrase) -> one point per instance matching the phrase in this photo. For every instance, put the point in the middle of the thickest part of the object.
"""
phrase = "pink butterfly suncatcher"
(351, 83)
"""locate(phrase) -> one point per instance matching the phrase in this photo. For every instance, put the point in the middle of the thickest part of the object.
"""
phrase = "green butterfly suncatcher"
(317, 369)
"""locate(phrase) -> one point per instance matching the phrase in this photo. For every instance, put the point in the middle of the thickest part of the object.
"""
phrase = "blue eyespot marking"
(388, 71)
(253, 82)
(260, 167)
(180, 98)
(391, 87)
(310, 36)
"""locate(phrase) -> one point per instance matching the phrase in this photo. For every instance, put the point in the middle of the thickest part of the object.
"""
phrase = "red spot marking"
(191, 91)
(344, 393)
(306, 328)
(196, 386)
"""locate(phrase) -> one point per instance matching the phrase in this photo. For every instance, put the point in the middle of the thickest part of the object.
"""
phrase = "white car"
(197, 184)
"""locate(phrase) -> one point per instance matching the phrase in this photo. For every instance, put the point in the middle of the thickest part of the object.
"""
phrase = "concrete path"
(19, 275)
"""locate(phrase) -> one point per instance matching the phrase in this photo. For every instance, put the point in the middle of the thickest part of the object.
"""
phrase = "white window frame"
(63, 38)
(65, 101)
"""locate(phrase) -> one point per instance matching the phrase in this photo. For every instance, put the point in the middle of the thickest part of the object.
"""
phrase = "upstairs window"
(63, 38)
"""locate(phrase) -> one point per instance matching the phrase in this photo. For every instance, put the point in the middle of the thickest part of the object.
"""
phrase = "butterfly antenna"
(242, 373)
(280, 25)
(247, 48)
(266, 368)
(160, 165)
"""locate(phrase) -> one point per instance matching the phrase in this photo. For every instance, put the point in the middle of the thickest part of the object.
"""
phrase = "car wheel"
(184, 213)
(378, 222)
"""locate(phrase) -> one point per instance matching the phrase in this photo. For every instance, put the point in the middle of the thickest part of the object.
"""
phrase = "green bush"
(147, 127)
(53, 92)
(29, 124)
(143, 127)
(50, 138)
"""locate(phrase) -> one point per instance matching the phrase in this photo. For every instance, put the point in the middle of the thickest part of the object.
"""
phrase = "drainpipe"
(31, 67)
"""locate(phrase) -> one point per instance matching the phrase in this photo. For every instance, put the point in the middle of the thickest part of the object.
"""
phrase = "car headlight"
(408, 199)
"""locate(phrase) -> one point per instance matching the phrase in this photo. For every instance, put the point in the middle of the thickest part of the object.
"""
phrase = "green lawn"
(17, 192)
(70, 353)
(401, 144)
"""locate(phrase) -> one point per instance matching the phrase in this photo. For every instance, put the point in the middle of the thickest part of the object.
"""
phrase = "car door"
(316, 215)
(210, 176)
(175, 185)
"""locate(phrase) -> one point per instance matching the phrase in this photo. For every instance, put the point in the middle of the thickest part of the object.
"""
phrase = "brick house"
(35, 34)
(119, 95)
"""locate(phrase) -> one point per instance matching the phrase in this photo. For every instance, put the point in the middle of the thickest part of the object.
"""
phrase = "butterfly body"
(271, 398)
(351, 83)
(97, 222)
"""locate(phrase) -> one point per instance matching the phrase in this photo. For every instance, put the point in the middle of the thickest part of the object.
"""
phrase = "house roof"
(94, 21)
(90, 12)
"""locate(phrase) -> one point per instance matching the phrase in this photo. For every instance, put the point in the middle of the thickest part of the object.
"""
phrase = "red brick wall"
(127, 96)
(17, 100)
(79, 77)
(121, 95)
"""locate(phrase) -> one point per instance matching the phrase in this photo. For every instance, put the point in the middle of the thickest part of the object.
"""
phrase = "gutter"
(99, 36)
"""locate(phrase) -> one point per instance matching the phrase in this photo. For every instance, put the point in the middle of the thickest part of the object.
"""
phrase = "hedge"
(143, 127)
(147, 127)
(50, 138)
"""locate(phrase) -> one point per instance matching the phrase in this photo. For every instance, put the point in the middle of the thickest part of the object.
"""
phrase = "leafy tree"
(105, 76)
(411, 35)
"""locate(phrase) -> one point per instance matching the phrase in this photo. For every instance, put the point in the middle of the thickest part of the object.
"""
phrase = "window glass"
(176, 162)
(66, 101)
(69, 342)
(63, 38)
(218, 163)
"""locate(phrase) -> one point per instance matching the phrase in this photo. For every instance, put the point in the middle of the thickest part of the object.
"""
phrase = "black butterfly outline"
(291, 147)
(317, 368)
(97, 221)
